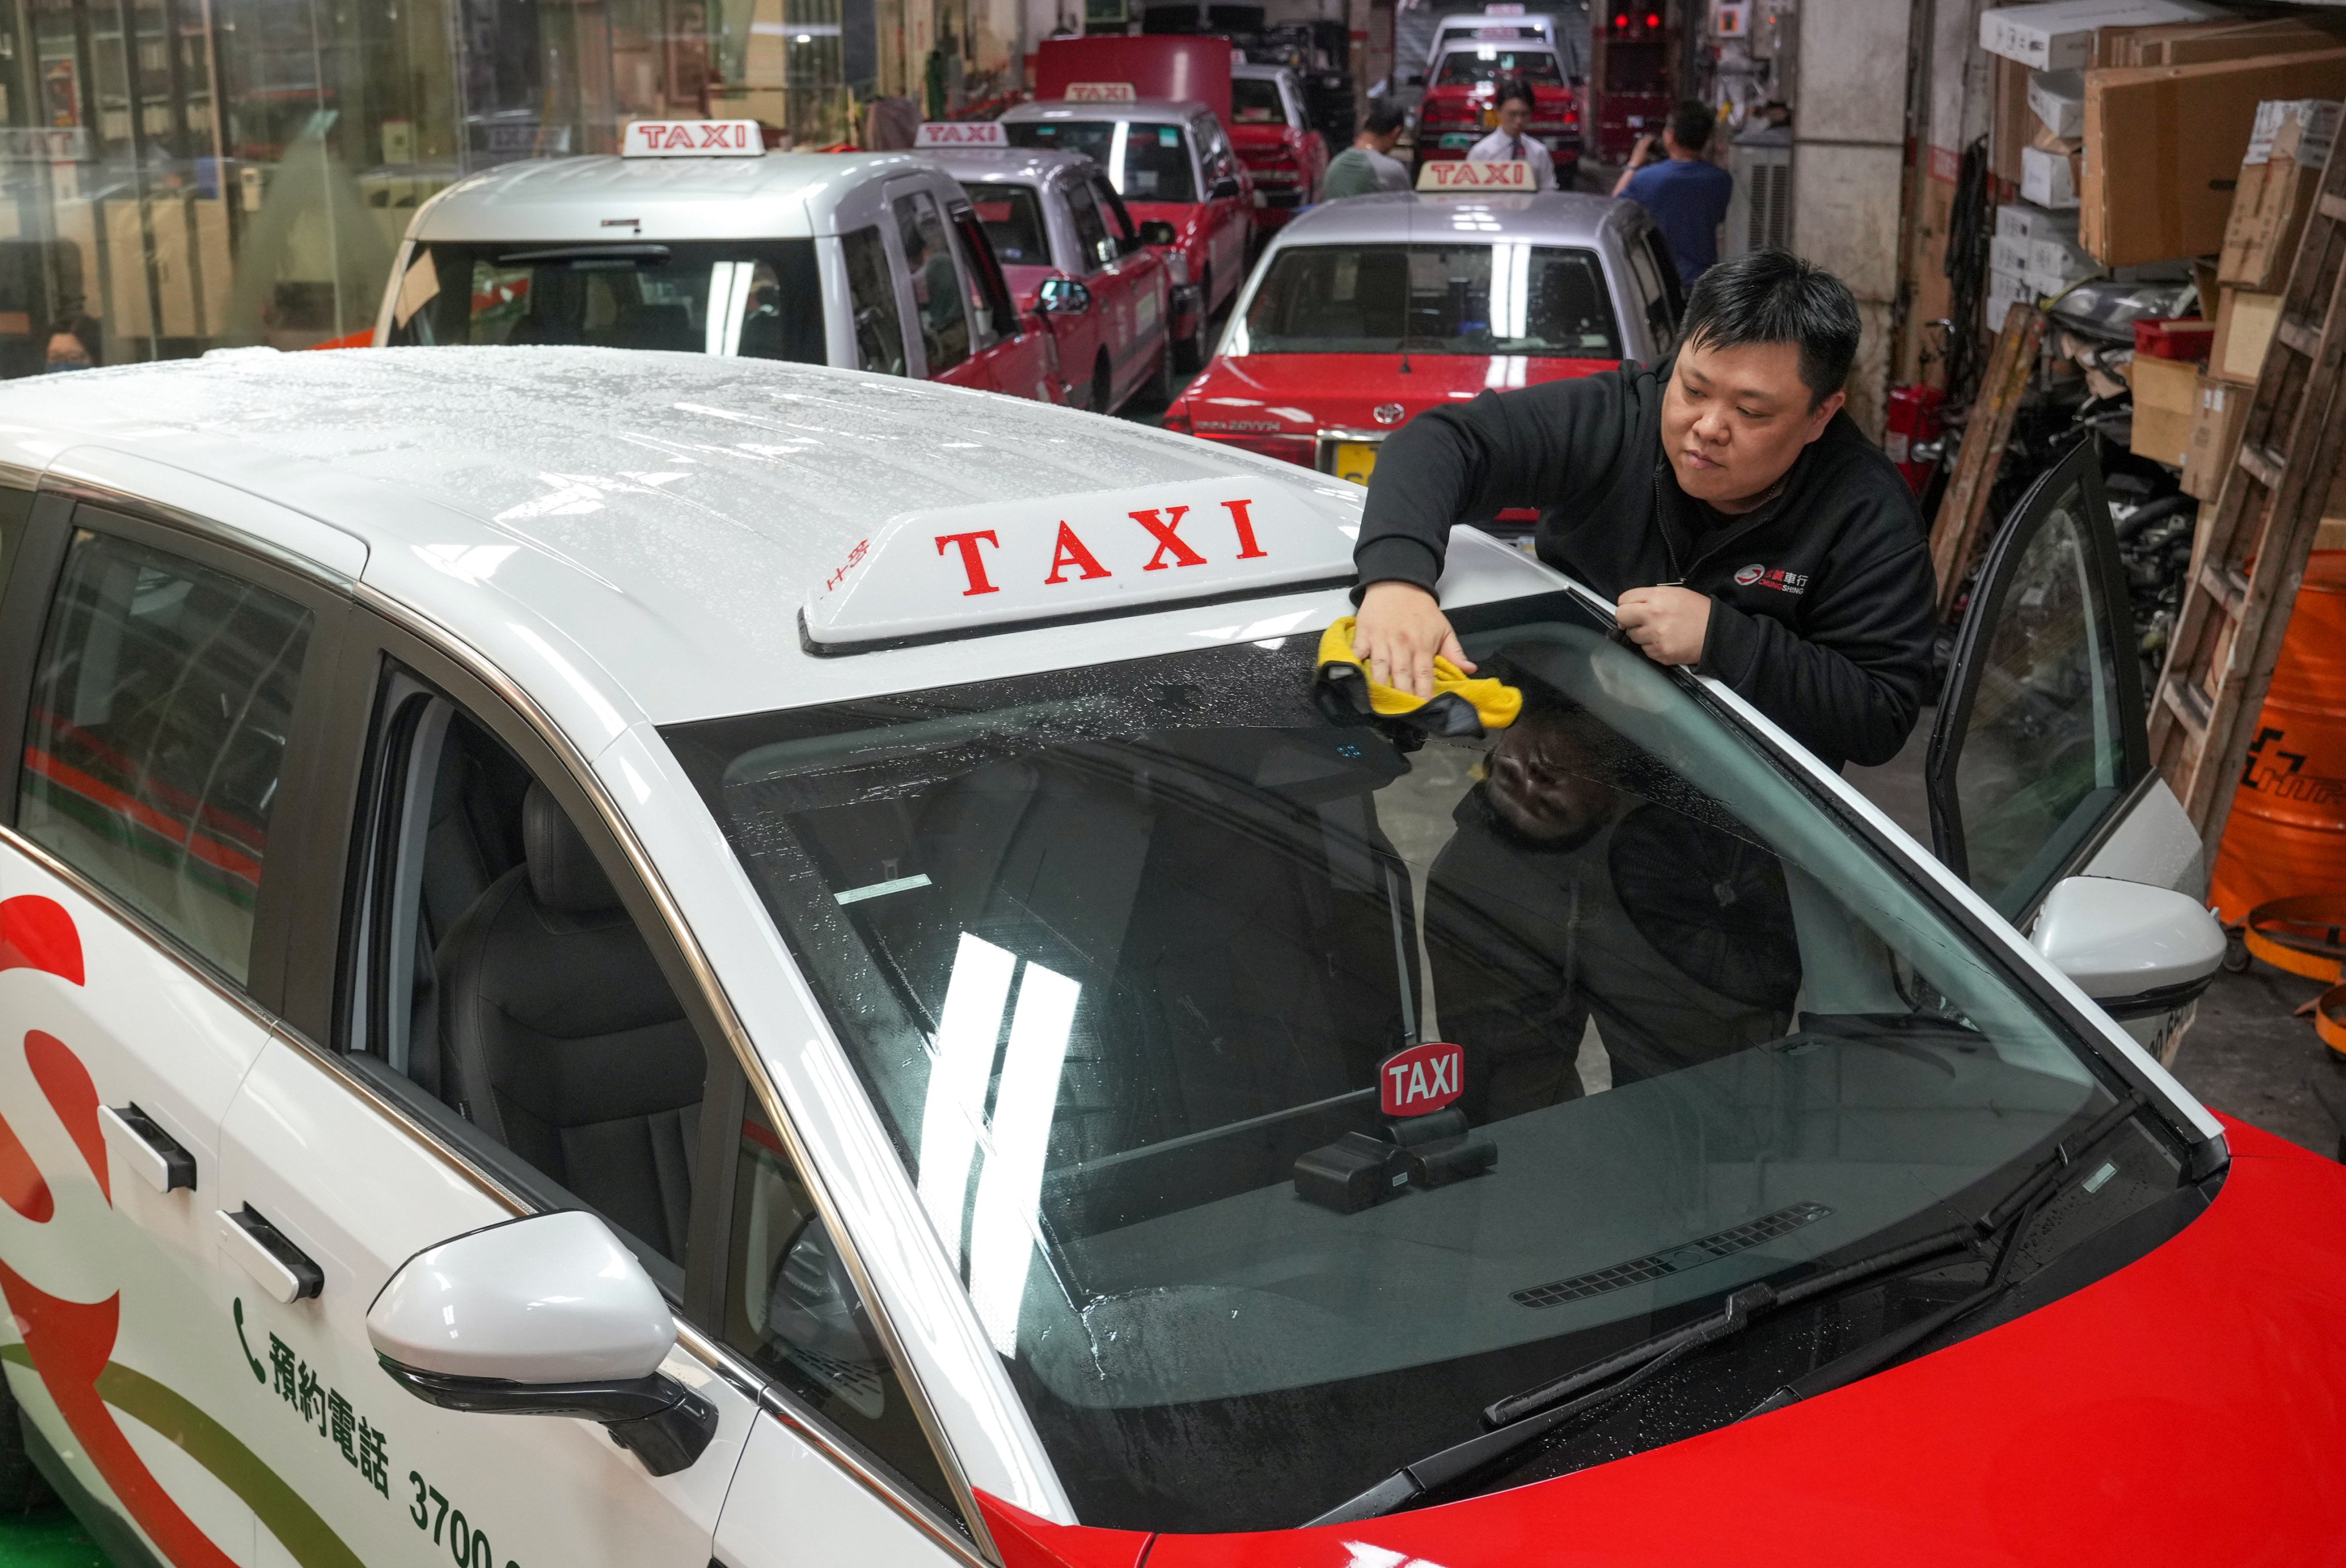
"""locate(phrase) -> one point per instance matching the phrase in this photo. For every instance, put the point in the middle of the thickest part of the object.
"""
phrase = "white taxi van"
(632, 959)
(695, 239)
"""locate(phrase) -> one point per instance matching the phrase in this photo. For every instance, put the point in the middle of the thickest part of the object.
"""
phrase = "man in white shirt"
(1512, 142)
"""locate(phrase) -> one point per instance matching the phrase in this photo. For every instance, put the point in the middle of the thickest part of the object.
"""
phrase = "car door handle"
(283, 1269)
(160, 1160)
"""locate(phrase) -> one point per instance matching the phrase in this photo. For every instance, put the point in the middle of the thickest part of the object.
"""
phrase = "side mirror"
(547, 1316)
(1063, 296)
(1225, 188)
(1159, 232)
(2132, 948)
(1412, 81)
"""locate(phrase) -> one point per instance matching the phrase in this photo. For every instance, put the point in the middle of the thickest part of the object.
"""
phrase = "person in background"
(1686, 192)
(1512, 142)
(1368, 165)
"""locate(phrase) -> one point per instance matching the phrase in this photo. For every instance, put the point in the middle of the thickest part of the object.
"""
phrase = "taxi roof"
(1021, 165)
(633, 534)
(1542, 217)
(1109, 109)
(783, 195)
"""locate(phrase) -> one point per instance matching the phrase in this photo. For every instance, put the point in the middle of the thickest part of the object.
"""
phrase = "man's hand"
(1400, 629)
(1669, 624)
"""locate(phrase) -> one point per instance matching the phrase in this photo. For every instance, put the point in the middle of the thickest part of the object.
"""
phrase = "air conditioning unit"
(1759, 213)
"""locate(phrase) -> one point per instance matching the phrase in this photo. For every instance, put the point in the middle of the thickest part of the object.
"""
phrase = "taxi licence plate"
(1355, 460)
(1490, 118)
(1458, 139)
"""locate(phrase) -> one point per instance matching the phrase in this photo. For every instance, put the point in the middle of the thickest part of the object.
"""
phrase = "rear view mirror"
(549, 1315)
(1159, 232)
(2132, 948)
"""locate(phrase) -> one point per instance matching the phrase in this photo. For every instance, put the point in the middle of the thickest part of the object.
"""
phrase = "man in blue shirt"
(1686, 192)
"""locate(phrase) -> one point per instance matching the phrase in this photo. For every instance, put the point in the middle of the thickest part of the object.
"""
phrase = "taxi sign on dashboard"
(1461, 174)
(944, 570)
(693, 139)
(961, 133)
(1101, 93)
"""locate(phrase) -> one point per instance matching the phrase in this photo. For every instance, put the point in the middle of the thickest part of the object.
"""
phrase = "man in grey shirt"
(1368, 165)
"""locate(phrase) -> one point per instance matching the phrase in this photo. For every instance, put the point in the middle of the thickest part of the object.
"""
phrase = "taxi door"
(1229, 207)
(937, 297)
(168, 692)
(2039, 764)
(484, 1020)
(1134, 279)
(1020, 358)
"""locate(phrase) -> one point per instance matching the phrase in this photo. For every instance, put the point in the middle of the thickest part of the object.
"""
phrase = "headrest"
(563, 872)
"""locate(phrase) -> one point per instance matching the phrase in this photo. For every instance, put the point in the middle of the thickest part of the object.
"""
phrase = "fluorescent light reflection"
(1117, 141)
(1002, 1233)
(961, 1064)
(1510, 289)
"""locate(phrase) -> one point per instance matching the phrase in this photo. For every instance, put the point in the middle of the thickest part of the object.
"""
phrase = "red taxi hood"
(2189, 1408)
(1347, 389)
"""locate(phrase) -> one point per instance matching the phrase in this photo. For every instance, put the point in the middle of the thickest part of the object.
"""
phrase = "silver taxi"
(870, 261)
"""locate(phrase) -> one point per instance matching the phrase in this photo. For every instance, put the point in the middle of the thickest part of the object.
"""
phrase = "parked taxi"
(1460, 106)
(628, 959)
(1497, 25)
(1366, 312)
(695, 239)
(1172, 162)
(1285, 156)
(1072, 251)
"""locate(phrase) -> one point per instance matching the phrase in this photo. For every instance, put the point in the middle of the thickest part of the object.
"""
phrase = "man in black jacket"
(1739, 520)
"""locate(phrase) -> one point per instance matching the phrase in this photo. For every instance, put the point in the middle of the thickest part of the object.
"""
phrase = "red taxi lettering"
(1070, 551)
(971, 561)
(1167, 540)
(862, 547)
(1421, 1079)
(713, 134)
(1240, 519)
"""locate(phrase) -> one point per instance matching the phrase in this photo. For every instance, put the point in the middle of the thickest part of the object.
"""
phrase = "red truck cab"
(1461, 101)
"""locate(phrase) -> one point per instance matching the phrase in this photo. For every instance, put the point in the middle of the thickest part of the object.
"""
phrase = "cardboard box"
(2166, 403)
(2013, 121)
(2019, 220)
(2060, 36)
(2278, 180)
(2058, 258)
(2196, 43)
(2216, 421)
(2058, 99)
(2005, 254)
(2244, 329)
(2159, 172)
(2004, 290)
(2048, 179)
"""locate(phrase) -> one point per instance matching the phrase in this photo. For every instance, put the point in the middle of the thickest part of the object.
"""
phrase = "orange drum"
(2287, 834)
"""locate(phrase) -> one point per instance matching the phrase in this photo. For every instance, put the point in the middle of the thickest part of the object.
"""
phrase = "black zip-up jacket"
(1823, 608)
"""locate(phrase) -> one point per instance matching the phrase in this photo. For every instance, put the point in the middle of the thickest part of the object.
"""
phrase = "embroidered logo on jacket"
(1774, 577)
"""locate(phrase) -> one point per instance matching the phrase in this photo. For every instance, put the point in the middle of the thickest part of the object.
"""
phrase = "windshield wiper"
(1524, 1418)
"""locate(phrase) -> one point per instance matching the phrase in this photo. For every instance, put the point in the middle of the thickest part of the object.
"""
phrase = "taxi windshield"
(1506, 298)
(1467, 66)
(1144, 162)
(1014, 223)
(751, 299)
(1254, 101)
(1127, 958)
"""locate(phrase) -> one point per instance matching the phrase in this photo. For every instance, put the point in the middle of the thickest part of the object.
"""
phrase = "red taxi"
(1072, 253)
(1365, 312)
(1287, 157)
(1461, 101)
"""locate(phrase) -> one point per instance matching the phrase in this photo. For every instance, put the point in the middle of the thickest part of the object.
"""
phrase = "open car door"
(2039, 767)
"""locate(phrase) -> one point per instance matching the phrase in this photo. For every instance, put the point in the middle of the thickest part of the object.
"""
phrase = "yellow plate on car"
(1356, 460)
(1490, 118)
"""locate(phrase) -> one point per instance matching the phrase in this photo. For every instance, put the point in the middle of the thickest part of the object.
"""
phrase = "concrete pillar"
(1849, 153)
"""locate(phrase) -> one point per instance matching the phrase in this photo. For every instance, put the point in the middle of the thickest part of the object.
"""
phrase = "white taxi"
(633, 959)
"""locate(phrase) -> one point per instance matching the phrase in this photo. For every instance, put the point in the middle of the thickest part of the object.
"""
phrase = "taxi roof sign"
(1101, 93)
(693, 139)
(961, 133)
(963, 570)
(1465, 174)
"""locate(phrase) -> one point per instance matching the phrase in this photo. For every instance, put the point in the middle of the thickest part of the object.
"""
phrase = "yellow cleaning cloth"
(1462, 704)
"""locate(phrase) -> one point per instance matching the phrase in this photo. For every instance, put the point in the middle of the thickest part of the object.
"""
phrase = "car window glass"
(1463, 68)
(1484, 299)
(937, 287)
(157, 737)
(2042, 754)
(791, 1307)
(1144, 162)
(498, 971)
(1649, 270)
(15, 507)
(1091, 233)
(1255, 100)
(1014, 223)
(1120, 225)
(872, 302)
(1663, 308)
(975, 259)
(761, 299)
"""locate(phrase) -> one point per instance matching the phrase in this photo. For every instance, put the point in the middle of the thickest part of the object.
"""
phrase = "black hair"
(1516, 90)
(1775, 297)
(1385, 120)
(1691, 123)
